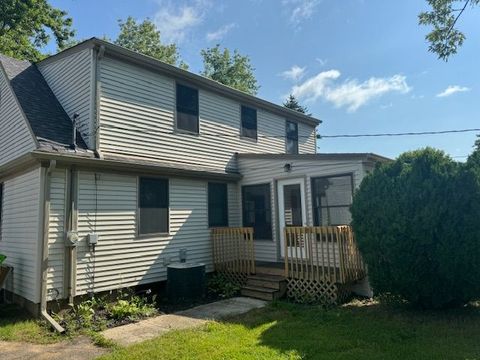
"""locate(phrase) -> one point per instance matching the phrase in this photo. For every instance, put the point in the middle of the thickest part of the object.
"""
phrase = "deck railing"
(322, 253)
(233, 250)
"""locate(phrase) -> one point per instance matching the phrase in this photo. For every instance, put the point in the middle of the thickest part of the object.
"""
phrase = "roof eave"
(368, 157)
(131, 167)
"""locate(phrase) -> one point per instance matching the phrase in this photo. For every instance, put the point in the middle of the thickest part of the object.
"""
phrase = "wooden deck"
(319, 265)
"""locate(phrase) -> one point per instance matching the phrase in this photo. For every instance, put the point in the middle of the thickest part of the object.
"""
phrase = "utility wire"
(155, 130)
(400, 134)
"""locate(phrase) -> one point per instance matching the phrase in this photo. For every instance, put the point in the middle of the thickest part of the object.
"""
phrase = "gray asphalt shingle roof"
(47, 118)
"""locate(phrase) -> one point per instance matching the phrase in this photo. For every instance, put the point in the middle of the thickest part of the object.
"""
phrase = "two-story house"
(114, 165)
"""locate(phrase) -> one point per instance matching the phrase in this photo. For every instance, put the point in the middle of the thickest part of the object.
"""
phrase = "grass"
(286, 331)
(17, 325)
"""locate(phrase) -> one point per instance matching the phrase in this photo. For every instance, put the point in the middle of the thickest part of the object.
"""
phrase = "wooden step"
(265, 270)
(267, 281)
(260, 293)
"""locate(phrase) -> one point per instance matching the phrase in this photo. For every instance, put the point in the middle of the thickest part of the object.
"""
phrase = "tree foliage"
(416, 221)
(25, 26)
(145, 38)
(477, 143)
(235, 71)
(293, 104)
(445, 38)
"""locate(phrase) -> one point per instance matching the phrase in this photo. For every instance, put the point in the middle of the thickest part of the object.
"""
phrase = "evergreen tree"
(293, 104)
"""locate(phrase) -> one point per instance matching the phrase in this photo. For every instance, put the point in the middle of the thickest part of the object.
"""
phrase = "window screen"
(292, 137)
(332, 197)
(153, 206)
(249, 122)
(217, 204)
(256, 204)
(187, 108)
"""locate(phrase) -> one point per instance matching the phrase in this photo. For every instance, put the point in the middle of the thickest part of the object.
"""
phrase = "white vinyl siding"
(56, 234)
(261, 171)
(122, 259)
(306, 139)
(20, 238)
(137, 110)
(71, 80)
(15, 136)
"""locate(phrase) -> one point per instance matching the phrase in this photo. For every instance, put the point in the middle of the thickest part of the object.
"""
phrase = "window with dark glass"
(217, 205)
(1, 209)
(153, 206)
(249, 122)
(187, 108)
(331, 198)
(292, 205)
(257, 213)
(292, 137)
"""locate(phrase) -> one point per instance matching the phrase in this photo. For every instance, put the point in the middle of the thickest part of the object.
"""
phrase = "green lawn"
(17, 325)
(285, 331)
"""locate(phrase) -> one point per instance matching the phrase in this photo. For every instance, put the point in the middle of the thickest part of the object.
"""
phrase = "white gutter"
(44, 263)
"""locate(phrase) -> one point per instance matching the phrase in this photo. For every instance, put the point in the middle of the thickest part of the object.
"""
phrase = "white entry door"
(291, 208)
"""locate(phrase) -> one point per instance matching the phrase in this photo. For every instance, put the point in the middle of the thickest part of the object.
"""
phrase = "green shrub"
(98, 313)
(220, 286)
(416, 221)
(131, 308)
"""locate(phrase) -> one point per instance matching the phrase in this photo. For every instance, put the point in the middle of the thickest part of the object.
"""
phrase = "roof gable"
(48, 120)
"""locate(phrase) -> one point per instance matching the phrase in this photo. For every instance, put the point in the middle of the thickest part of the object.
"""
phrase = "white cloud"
(176, 21)
(300, 10)
(295, 73)
(351, 94)
(321, 61)
(220, 33)
(452, 89)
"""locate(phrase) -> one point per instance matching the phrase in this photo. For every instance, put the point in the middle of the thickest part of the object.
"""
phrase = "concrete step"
(267, 281)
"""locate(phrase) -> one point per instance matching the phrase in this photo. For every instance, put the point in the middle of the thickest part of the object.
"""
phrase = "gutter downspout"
(44, 264)
(71, 228)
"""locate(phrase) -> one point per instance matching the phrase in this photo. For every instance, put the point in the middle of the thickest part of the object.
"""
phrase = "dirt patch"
(80, 348)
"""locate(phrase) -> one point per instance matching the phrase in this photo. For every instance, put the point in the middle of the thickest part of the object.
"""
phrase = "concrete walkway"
(153, 327)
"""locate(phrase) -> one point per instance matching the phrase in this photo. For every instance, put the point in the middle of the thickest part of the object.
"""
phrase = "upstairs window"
(257, 210)
(249, 122)
(291, 137)
(217, 205)
(187, 109)
(153, 206)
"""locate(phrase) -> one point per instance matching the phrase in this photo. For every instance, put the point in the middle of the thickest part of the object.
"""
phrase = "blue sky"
(362, 66)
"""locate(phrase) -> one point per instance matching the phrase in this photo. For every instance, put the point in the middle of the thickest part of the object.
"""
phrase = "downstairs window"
(153, 206)
(257, 213)
(331, 198)
(1, 209)
(217, 205)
